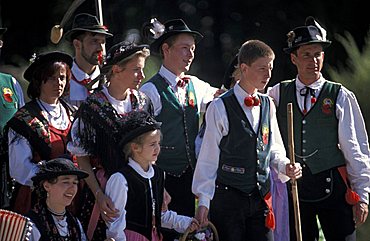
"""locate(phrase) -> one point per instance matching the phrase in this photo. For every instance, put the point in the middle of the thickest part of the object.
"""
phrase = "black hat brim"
(155, 46)
(324, 44)
(46, 176)
(45, 58)
(68, 35)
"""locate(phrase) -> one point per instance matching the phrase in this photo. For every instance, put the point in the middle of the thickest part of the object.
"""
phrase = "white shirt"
(78, 92)
(63, 231)
(353, 139)
(121, 106)
(117, 181)
(217, 127)
(21, 167)
(203, 91)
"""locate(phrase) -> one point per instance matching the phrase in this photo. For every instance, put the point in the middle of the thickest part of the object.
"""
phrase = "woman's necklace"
(62, 214)
(57, 116)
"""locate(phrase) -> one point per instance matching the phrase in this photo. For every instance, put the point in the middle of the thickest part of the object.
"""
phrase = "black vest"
(139, 201)
(244, 154)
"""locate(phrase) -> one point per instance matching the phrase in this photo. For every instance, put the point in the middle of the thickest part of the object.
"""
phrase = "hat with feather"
(157, 32)
(311, 33)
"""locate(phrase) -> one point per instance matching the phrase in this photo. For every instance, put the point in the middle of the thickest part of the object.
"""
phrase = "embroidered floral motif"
(7, 94)
(327, 106)
(38, 126)
(265, 134)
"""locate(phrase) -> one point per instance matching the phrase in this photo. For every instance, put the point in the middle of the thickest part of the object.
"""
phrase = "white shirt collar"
(315, 85)
(168, 75)
(121, 106)
(79, 74)
(145, 174)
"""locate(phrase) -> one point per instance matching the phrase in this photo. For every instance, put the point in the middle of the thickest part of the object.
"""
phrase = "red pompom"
(313, 100)
(248, 101)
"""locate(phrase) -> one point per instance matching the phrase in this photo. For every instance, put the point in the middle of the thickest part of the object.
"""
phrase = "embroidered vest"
(139, 202)
(32, 125)
(245, 155)
(179, 128)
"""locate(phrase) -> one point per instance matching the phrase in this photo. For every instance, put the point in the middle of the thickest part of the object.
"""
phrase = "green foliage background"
(355, 75)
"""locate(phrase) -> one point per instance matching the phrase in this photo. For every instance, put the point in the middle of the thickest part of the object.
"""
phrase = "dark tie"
(305, 92)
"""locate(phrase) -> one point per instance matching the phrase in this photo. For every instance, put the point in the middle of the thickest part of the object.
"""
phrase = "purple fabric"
(281, 208)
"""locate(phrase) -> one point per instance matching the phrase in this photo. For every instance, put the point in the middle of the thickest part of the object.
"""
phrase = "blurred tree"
(355, 72)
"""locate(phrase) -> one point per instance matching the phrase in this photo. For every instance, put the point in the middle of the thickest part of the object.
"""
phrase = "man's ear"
(165, 48)
(76, 43)
(292, 57)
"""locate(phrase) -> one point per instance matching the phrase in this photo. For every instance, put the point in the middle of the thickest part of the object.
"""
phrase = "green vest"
(8, 99)
(179, 128)
(316, 133)
(244, 154)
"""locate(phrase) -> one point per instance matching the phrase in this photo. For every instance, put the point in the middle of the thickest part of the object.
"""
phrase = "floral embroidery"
(327, 105)
(7, 94)
(265, 134)
(41, 127)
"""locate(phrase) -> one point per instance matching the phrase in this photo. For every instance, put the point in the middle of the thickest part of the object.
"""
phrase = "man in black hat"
(11, 98)
(177, 99)
(88, 39)
(330, 141)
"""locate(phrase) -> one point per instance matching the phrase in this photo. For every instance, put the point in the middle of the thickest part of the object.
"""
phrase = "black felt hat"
(170, 28)
(121, 51)
(136, 123)
(44, 58)
(55, 168)
(309, 34)
(85, 22)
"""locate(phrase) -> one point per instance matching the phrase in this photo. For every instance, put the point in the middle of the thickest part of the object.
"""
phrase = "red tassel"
(270, 217)
(352, 197)
(270, 220)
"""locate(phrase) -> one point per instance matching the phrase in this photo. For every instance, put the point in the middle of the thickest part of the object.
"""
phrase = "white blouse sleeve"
(74, 146)
(172, 220)
(117, 189)
(21, 167)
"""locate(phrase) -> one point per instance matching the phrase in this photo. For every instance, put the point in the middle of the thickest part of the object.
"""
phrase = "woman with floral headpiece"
(38, 131)
(94, 131)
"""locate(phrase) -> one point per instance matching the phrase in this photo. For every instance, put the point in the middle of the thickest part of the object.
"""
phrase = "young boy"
(241, 142)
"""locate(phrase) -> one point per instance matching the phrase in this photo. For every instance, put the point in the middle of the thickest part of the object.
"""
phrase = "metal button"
(303, 131)
(304, 159)
(304, 165)
(258, 161)
(303, 150)
(327, 190)
(304, 141)
(304, 122)
(328, 179)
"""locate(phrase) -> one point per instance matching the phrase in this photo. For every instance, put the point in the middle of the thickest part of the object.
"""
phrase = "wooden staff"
(297, 216)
